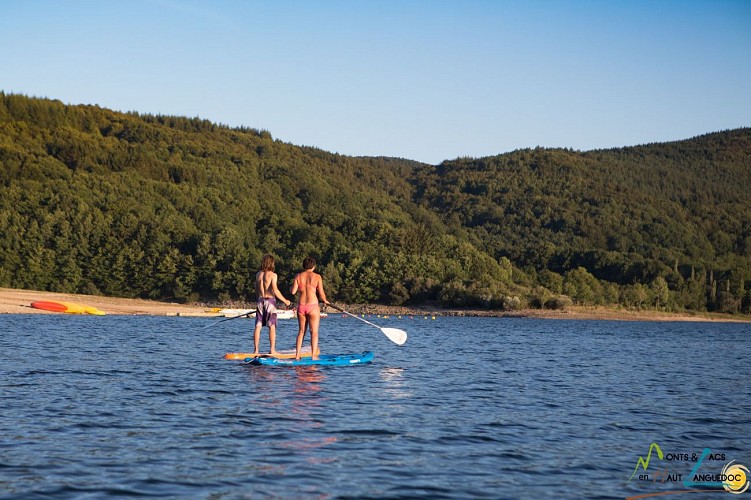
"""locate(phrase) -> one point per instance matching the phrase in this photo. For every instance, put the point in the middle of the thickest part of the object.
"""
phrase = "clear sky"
(427, 80)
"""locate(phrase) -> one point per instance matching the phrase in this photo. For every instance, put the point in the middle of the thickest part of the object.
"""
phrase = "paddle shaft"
(355, 316)
(233, 317)
(244, 315)
(395, 335)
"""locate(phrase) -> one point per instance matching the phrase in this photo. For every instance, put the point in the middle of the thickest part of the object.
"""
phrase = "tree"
(635, 295)
(582, 286)
(660, 292)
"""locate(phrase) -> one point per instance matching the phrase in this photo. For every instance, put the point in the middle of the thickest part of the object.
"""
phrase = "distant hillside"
(94, 201)
(680, 211)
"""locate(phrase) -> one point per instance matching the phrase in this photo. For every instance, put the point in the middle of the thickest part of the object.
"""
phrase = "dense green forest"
(123, 204)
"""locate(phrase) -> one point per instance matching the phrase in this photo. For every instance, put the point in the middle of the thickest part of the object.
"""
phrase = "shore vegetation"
(99, 202)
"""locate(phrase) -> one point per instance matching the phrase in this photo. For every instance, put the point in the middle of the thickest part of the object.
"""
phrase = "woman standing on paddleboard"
(310, 287)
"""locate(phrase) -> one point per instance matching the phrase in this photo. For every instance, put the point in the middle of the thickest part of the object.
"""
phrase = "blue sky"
(428, 80)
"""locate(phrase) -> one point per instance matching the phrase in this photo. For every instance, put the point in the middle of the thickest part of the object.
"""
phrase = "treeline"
(100, 202)
(663, 225)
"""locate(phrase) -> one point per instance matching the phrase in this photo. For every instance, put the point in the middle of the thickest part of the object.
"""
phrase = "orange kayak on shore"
(66, 307)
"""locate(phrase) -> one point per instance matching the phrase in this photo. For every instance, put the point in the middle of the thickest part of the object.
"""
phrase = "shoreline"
(17, 301)
(601, 313)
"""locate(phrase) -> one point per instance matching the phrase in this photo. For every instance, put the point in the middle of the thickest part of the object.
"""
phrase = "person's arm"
(321, 292)
(293, 289)
(276, 291)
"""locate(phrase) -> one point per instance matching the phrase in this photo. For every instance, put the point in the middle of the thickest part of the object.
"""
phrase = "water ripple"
(468, 408)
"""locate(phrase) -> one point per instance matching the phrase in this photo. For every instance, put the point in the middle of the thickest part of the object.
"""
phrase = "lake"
(94, 407)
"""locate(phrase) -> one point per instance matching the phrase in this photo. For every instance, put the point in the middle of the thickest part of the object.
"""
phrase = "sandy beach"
(14, 301)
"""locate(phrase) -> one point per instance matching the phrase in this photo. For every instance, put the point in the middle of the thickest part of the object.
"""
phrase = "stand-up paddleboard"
(325, 359)
(285, 354)
(66, 307)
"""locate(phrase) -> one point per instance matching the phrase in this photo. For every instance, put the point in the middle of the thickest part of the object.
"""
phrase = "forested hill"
(680, 211)
(95, 201)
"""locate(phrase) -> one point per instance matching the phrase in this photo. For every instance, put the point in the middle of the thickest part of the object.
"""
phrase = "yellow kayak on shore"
(66, 307)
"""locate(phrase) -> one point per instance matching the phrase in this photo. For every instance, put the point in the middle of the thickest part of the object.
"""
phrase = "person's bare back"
(308, 285)
(266, 284)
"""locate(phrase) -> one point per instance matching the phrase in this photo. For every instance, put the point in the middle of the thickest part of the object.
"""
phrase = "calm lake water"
(93, 407)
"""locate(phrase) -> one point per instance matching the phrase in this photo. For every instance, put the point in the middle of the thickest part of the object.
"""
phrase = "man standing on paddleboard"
(266, 294)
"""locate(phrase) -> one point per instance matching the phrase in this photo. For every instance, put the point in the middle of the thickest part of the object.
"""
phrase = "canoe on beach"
(66, 307)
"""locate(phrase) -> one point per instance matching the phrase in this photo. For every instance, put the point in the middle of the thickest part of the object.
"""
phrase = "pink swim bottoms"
(306, 309)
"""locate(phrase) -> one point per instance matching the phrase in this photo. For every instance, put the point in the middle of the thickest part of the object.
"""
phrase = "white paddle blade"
(395, 335)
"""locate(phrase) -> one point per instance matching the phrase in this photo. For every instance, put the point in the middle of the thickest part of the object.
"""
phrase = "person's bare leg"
(256, 337)
(272, 339)
(302, 322)
(314, 319)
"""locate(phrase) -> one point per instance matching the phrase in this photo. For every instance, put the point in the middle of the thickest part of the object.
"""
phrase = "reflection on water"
(395, 384)
(295, 390)
(308, 379)
(293, 407)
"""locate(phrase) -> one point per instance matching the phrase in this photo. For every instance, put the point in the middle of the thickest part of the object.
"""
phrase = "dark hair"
(267, 264)
(308, 263)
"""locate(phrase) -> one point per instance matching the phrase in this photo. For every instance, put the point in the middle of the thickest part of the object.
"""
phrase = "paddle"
(233, 317)
(395, 335)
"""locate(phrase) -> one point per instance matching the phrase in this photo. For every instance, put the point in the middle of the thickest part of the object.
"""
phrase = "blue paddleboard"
(324, 359)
